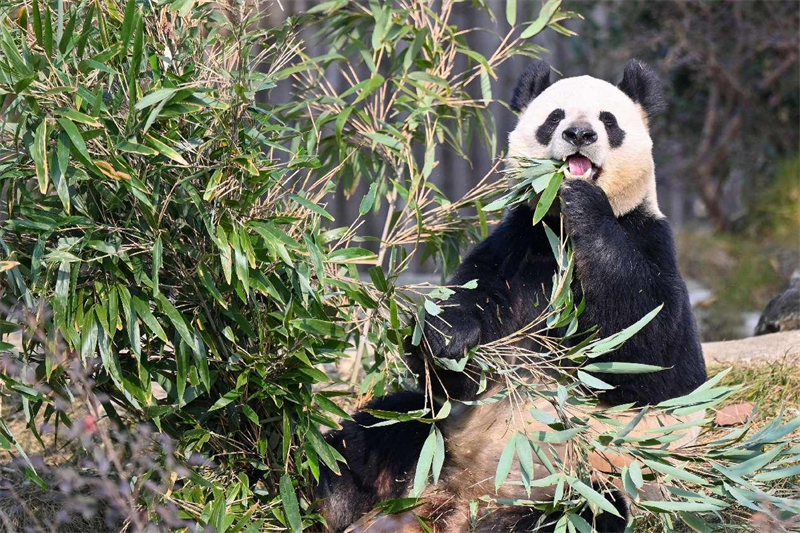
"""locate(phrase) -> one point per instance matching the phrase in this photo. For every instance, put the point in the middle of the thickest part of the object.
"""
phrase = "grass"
(774, 387)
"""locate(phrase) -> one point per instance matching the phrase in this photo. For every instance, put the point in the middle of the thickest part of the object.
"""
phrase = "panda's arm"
(627, 268)
(502, 302)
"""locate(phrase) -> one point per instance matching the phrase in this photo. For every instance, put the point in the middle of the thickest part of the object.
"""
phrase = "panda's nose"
(579, 135)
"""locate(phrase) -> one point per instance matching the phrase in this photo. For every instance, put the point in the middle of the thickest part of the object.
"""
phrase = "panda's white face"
(599, 131)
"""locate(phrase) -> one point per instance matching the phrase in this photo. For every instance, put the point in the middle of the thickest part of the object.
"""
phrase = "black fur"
(643, 86)
(532, 82)
(380, 461)
(615, 134)
(544, 133)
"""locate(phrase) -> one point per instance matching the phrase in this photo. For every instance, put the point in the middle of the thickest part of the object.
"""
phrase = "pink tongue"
(578, 165)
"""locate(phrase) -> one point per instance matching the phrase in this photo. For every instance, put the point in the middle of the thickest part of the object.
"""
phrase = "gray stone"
(783, 312)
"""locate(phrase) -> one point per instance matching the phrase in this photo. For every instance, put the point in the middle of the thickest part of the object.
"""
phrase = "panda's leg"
(380, 461)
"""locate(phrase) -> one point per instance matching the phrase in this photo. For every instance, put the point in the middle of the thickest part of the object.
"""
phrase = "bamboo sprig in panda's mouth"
(533, 181)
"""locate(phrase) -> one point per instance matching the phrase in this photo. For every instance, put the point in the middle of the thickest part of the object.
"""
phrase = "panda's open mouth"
(580, 166)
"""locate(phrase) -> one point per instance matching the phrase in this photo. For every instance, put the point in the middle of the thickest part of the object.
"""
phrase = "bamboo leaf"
(39, 154)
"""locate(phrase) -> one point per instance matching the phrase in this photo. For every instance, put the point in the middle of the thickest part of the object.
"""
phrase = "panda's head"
(601, 130)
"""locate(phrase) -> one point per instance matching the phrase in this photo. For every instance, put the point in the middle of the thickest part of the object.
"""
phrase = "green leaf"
(431, 308)
(608, 344)
(352, 255)
(135, 148)
(438, 455)
(386, 140)
(182, 370)
(290, 504)
(592, 496)
(157, 257)
(320, 327)
(165, 150)
(75, 139)
(504, 464)
(311, 206)
(593, 382)
(127, 25)
(331, 407)
(77, 116)
(369, 87)
(758, 462)
(38, 152)
(369, 199)
(486, 85)
(677, 473)
(176, 318)
(695, 522)
(511, 12)
(424, 464)
(155, 97)
(549, 194)
(671, 507)
(525, 455)
(545, 14)
(614, 367)
(59, 163)
(142, 309)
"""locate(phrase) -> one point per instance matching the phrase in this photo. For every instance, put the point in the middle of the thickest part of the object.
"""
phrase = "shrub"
(164, 222)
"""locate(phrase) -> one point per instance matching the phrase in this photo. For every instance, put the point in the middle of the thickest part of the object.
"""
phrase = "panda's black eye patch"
(545, 132)
(615, 134)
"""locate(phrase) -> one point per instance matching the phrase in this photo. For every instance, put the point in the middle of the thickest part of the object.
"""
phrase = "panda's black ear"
(642, 85)
(533, 81)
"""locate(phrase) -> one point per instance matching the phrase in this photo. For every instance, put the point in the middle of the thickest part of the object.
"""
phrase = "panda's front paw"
(582, 202)
(449, 336)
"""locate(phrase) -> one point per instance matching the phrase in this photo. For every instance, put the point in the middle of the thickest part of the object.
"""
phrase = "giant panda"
(625, 266)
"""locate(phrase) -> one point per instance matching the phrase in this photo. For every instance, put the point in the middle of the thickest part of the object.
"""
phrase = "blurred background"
(726, 150)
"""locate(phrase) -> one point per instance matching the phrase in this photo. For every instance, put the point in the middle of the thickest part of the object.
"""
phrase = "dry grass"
(774, 387)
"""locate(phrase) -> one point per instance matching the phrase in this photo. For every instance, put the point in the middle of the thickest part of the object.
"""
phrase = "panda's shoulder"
(644, 219)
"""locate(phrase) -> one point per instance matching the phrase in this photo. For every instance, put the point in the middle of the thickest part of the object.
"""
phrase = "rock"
(753, 349)
(733, 415)
(782, 312)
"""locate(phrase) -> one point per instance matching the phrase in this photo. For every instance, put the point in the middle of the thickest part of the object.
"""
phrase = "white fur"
(628, 172)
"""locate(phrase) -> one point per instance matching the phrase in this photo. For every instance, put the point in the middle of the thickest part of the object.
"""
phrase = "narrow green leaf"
(369, 199)
(157, 257)
(545, 14)
(142, 309)
(614, 367)
(311, 206)
(593, 497)
(674, 471)
(38, 152)
(75, 139)
(593, 382)
(547, 197)
(59, 163)
(504, 464)
(511, 12)
(612, 342)
(166, 150)
(424, 464)
(290, 504)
